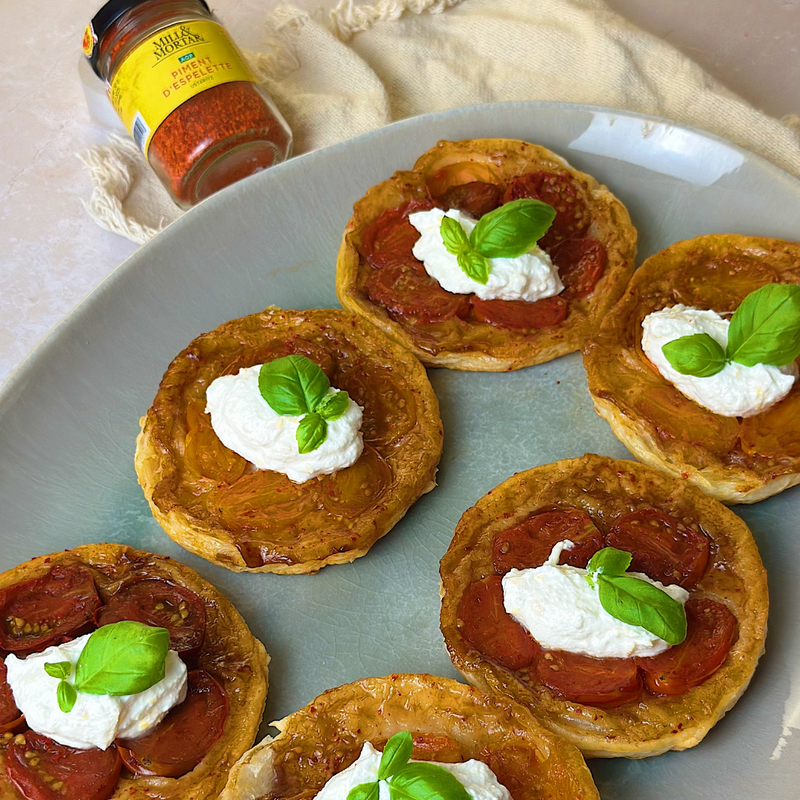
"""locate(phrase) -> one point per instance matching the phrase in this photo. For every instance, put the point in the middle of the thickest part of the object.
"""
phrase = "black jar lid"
(104, 19)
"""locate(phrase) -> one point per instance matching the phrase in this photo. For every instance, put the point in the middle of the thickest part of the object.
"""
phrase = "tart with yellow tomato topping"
(633, 706)
(591, 244)
(448, 722)
(219, 505)
(51, 600)
(734, 459)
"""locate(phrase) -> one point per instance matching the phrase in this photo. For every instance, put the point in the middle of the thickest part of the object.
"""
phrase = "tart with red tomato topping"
(53, 599)
(449, 723)
(607, 707)
(217, 504)
(591, 243)
(734, 459)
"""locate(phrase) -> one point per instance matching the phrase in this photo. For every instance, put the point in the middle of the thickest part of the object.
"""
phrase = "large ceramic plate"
(69, 416)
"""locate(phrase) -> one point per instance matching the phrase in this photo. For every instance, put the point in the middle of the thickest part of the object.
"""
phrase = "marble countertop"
(53, 253)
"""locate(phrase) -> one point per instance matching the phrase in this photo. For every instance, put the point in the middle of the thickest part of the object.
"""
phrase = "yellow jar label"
(167, 69)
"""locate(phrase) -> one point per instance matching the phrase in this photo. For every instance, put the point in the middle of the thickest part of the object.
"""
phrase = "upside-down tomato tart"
(449, 722)
(53, 599)
(735, 460)
(591, 243)
(218, 505)
(633, 707)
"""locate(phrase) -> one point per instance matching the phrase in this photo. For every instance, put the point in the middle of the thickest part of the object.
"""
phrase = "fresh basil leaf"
(292, 385)
(638, 602)
(311, 433)
(66, 696)
(425, 781)
(697, 354)
(512, 229)
(58, 669)
(609, 561)
(454, 236)
(765, 329)
(122, 658)
(333, 406)
(395, 754)
(365, 791)
(474, 266)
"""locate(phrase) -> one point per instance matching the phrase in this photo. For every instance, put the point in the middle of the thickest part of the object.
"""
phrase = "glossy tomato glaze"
(644, 716)
(709, 273)
(270, 519)
(390, 275)
(115, 583)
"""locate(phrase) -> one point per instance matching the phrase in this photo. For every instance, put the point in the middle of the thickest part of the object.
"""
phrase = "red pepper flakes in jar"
(184, 92)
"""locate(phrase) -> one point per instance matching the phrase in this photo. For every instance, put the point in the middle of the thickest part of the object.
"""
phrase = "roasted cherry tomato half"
(10, 717)
(581, 263)
(475, 198)
(528, 544)
(42, 769)
(600, 682)
(184, 737)
(711, 630)
(162, 604)
(663, 548)
(488, 627)
(42, 611)
(519, 314)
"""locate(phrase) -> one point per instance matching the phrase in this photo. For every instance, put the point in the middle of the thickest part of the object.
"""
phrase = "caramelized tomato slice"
(458, 174)
(663, 548)
(204, 453)
(475, 198)
(487, 626)
(774, 433)
(182, 739)
(387, 242)
(581, 263)
(600, 682)
(519, 314)
(352, 490)
(676, 417)
(529, 543)
(10, 717)
(407, 291)
(36, 613)
(557, 189)
(711, 630)
(157, 602)
(390, 407)
(42, 769)
(721, 282)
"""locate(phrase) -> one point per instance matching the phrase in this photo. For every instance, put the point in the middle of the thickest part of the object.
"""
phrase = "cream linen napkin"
(376, 63)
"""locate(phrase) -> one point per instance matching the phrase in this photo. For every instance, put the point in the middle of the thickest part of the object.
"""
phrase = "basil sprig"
(507, 232)
(295, 386)
(419, 781)
(119, 659)
(633, 600)
(765, 329)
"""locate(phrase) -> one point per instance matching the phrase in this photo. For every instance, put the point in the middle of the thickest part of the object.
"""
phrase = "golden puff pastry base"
(229, 652)
(606, 489)
(160, 445)
(327, 735)
(499, 349)
(733, 477)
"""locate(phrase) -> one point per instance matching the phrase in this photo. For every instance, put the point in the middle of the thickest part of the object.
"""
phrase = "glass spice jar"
(183, 90)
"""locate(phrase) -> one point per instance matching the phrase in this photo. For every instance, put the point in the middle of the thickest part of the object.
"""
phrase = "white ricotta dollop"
(559, 608)
(244, 422)
(530, 276)
(479, 781)
(735, 391)
(96, 719)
